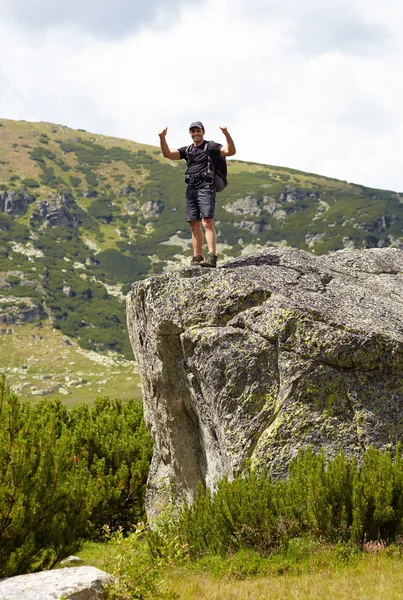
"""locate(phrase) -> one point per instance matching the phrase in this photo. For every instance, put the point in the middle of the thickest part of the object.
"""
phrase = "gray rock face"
(244, 206)
(126, 189)
(252, 226)
(55, 212)
(132, 207)
(151, 208)
(15, 203)
(16, 310)
(78, 583)
(292, 195)
(270, 353)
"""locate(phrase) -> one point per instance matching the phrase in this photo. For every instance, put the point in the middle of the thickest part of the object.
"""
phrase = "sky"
(313, 85)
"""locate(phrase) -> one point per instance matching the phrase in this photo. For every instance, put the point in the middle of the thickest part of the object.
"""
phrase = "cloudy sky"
(315, 85)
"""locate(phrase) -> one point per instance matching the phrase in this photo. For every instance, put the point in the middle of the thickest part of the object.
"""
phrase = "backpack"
(217, 166)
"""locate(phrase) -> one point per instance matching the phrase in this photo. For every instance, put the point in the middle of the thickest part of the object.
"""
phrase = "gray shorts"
(200, 202)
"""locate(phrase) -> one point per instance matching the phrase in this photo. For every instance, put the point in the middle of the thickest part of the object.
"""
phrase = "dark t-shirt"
(197, 161)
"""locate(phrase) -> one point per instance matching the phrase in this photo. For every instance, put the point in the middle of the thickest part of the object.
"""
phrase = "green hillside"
(82, 216)
(39, 363)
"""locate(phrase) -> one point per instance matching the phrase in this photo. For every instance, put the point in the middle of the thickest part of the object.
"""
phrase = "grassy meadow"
(312, 572)
(37, 359)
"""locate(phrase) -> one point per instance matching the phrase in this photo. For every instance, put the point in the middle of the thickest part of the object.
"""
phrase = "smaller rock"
(126, 189)
(72, 561)
(152, 209)
(68, 291)
(68, 583)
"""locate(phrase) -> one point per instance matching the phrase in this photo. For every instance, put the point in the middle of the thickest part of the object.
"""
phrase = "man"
(200, 191)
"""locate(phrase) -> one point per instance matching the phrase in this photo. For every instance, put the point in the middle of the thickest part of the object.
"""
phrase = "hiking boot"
(211, 261)
(196, 260)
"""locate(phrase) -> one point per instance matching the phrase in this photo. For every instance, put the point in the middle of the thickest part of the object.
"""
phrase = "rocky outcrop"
(131, 207)
(275, 207)
(55, 212)
(126, 189)
(84, 583)
(252, 226)
(270, 353)
(15, 203)
(244, 206)
(14, 310)
(151, 208)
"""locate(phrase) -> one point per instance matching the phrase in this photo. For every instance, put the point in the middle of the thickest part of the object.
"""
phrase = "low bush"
(334, 501)
(32, 183)
(64, 475)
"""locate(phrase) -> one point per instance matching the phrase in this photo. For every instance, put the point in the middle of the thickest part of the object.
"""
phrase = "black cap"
(196, 124)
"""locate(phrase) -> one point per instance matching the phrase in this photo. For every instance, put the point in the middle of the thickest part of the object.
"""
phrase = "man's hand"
(229, 148)
(172, 154)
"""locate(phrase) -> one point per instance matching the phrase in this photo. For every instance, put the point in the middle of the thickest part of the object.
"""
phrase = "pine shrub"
(329, 500)
(65, 474)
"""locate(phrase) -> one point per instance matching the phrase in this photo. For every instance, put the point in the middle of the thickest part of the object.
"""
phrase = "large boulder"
(83, 583)
(270, 353)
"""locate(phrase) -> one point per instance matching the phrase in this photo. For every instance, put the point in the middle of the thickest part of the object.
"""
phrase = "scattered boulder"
(72, 561)
(126, 189)
(268, 354)
(244, 206)
(252, 226)
(46, 391)
(68, 291)
(69, 583)
(132, 207)
(291, 195)
(315, 238)
(90, 193)
(152, 209)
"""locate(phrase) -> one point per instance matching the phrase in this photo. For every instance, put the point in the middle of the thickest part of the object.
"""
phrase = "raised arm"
(229, 148)
(166, 151)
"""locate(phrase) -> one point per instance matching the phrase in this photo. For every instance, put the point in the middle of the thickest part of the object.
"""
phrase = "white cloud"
(101, 18)
(298, 84)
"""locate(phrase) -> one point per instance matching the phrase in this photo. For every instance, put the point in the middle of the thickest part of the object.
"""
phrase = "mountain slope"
(83, 215)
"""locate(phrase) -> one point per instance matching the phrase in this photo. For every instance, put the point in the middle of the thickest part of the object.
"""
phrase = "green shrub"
(113, 437)
(12, 230)
(335, 501)
(65, 474)
(118, 267)
(13, 279)
(75, 181)
(102, 209)
(39, 154)
(45, 497)
(32, 183)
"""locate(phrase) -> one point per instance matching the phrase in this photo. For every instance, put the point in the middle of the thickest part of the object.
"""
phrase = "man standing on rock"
(200, 192)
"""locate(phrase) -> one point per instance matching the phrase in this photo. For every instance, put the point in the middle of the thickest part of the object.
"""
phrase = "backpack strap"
(210, 166)
(187, 152)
